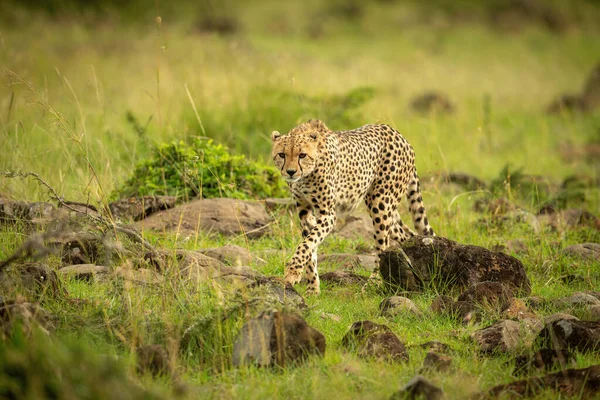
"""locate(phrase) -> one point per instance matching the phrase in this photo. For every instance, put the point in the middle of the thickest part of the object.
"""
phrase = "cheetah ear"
(275, 135)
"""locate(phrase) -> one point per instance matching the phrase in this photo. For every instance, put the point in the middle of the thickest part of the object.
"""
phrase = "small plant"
(202, 168)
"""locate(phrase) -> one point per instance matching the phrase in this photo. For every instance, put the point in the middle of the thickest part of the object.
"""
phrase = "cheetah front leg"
(307, 223)
(306, 253)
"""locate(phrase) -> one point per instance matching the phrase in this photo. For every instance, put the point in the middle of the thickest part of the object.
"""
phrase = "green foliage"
(40, 368)
(269, 108)
(202, 168)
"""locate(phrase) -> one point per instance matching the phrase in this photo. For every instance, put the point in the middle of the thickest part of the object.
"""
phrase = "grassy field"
(83, 100)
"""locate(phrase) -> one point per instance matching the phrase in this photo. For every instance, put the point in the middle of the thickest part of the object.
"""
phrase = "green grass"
(82, 103)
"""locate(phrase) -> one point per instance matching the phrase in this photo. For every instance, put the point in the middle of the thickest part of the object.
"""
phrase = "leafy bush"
(202, 168)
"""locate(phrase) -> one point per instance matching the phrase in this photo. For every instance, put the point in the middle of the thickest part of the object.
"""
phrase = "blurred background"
(89, 88)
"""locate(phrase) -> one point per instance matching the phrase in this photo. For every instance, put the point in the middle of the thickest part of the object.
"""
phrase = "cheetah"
(332, 172)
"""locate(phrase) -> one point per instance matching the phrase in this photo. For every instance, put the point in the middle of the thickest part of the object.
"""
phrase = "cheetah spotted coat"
(330, 172)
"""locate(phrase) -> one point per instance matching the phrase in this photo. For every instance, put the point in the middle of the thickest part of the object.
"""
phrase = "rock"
(192, 265)
(503, 336)
(83, 272)
(569, 219)
(395, 305)
(276, 338)
(225, 216)
(137, 208)
(516, 246)
(274, 204)
(468, 182)
(447, 263)
(330, 316)
(435, 346)
(12, 210)
(274, 292)
(80, 248)
(371, 340)
(26, 315)
(153, 359)
(140, 275)
(231, 254)
(577, 299)
(584, 336)
(432, 102)
(243, 276)
(594, 312)
(35, 279)
(489, 295)
(356, 227)
(548, 319)
(348, 261)
(535, 302)
(340, 277)
(588, 251)
(583, 383)
(516, 309)
(418, 388)
(460, 310)
(494, 206)
(437, 362)
(543, 359)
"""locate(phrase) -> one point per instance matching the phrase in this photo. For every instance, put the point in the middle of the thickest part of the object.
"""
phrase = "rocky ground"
(261, 322)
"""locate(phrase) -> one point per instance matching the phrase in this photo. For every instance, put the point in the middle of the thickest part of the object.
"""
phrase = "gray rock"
(225, 216)
(137, 208)
(543, 360)
(192, 265)
(395, 305)
(348, 261)
(276, 338)
(370, 340)
(503, 336)
(286, 203)
(548, 319)
(588, 251)
(577, 299)
(341, 277)
(418, 388)
(594, 312)
(231, 254)
(437, 362)
(84, 272)
(583, 336)
(273, 292)
(489, 295)
(581, 383)
(356, 227)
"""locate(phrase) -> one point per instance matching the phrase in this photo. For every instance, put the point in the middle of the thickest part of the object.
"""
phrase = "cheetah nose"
(290, 172)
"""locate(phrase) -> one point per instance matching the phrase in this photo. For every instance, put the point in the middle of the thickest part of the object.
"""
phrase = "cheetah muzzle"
(330, 172)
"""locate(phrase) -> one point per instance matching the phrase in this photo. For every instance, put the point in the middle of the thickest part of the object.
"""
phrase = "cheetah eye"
(282, 155)
(301, 155)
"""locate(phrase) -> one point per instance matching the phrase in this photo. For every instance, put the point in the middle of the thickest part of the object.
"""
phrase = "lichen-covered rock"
(449, 264)
(543, 359)
(341, 277)
(137, 208)
(504, 336)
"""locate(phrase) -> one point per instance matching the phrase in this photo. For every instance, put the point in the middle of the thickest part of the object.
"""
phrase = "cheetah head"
(296, 154)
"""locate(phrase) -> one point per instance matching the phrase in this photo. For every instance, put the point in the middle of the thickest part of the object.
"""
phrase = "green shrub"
(202, 168)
